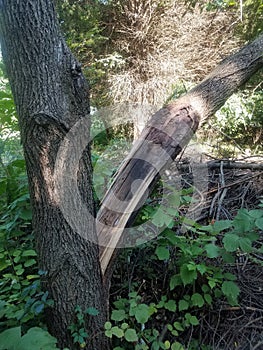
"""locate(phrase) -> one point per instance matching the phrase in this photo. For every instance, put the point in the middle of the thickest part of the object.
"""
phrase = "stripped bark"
(169, 130)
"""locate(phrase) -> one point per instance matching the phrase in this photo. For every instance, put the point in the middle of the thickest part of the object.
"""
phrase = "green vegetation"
(193, 271)
(78, 331)
(179, 274)
(36, 338)
(195, 264)
(21, 299)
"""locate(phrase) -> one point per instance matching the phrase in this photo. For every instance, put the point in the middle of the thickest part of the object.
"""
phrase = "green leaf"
(130, 335)
(167, 344)
(187, 276)
(37, 307)
(29, 252)
(222, 225)
(118, 332)
(107, 325)
(10, 338)
(124, 325)
(178, 326)
(201, 268)
(208, 299)
(36, 339)
(118, 315)
(175, 281)
(162, 253)
(169, 327)
(253, 236)
(30, 277)
(26, 214)
(17, 252)
(230, 276)
(193, 320)
(155, 345)
(231, 242)
(197, 300)
(256, 213)
(259, 223)
(231, 290)
(171, 236)
(161, 219)
(92, 311)
(170, 305)
(228, 257)
(205, 288)
(20, 272)
(108, 333)
(30, 262)
(211, 283)
(120, 304)
(177, 346)
(212, 250)
(141, 313)
(218, 293)
(183, 305)
(242, 222)
(2, 308)
(175, 333)
(245, 244)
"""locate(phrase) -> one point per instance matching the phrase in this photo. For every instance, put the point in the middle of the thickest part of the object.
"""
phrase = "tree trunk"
(51, 95)
(168, 131)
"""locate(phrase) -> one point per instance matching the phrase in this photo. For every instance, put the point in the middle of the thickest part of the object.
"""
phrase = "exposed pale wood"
(169, 130)
(155, 149)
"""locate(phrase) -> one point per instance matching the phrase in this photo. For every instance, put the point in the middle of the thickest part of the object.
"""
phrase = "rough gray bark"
(168, 131)
(51, 95)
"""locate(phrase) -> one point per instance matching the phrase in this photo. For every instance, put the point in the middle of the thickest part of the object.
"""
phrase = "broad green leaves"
(188, 273)
(131, 335)
(35, 339)
(162, 253)
(188, 260)
(197, 300)
(123, 331)
(231, 242)
(141, 313)
(118, 315)
(231, 291)
(212, 250)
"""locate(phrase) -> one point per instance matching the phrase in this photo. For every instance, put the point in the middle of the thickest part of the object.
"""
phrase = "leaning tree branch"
(169, 130)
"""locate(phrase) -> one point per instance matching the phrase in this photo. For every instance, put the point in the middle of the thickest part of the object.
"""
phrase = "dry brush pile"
(165, 45)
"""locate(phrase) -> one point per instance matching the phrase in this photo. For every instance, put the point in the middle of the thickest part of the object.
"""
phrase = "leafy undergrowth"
(162, 290)
(21, 299)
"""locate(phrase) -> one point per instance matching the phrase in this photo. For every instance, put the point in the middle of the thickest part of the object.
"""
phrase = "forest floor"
(225, 187)
(230, 188)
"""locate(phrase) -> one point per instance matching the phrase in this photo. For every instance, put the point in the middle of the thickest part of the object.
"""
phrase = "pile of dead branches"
(233, 185)
(230, 185)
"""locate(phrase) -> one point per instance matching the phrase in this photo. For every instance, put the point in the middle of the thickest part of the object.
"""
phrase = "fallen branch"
(234, 183)
(169, 130)
(227, 164)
